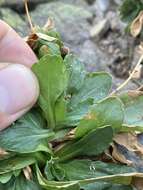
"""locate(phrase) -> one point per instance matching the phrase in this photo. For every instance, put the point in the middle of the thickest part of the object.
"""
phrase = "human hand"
(19, 88)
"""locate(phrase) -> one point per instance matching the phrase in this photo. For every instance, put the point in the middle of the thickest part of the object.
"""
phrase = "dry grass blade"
(28, 16)
(130, 77)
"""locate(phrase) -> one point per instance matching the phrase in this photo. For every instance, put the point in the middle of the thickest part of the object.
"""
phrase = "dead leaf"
(130, 141)
(138, 72)
(45, 37)
(49, 25)
(126, 140)
(138, 183)
(27, 173)
(3, 152)
(135, 93)
(119, 157)
(136, 25)
(32, 39)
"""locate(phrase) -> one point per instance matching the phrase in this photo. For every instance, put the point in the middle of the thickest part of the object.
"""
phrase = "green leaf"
(76, 74)
(48, 48)
(93, 143)
(86, 169)
(25, 136)
(95, 86)
(21, 183)
(84, 89)
(50, 35)
(60, 110)
(125, 179)
(15, 163)
(76, 71)
(4, 178)
(33, 119)
(133, 105)
(52, 76)
(73, 117)
(54, 171)
(53, 185)
(108, 112)
(60, 134)
(130, 9)
(107, 186)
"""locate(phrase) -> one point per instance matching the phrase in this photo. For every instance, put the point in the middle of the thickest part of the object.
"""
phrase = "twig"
(129, 78)
(28, 16)
(140, 88)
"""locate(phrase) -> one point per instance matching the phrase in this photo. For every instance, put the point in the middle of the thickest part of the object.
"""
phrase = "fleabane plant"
(64, 141)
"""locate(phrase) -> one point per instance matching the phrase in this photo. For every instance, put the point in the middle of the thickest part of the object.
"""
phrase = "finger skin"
(6, 120)
(13, 48)
(19, 88)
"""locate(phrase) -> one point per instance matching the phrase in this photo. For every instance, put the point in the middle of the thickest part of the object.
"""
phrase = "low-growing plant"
(63, 143)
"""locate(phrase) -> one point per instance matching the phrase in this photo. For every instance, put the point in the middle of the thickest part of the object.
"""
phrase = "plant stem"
(28, 16)
(129, 78)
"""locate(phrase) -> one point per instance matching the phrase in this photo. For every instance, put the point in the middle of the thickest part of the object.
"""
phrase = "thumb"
(18, 85)
(18, 92)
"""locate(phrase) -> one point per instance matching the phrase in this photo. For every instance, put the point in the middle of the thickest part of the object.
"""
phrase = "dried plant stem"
(27, 173)
(129, 78)
(140, 88)
(28, 15)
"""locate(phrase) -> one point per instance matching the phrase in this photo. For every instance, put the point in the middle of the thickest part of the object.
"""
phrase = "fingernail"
(18, 88)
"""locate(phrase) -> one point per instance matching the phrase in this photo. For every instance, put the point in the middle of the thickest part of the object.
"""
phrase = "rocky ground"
(91, 29)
